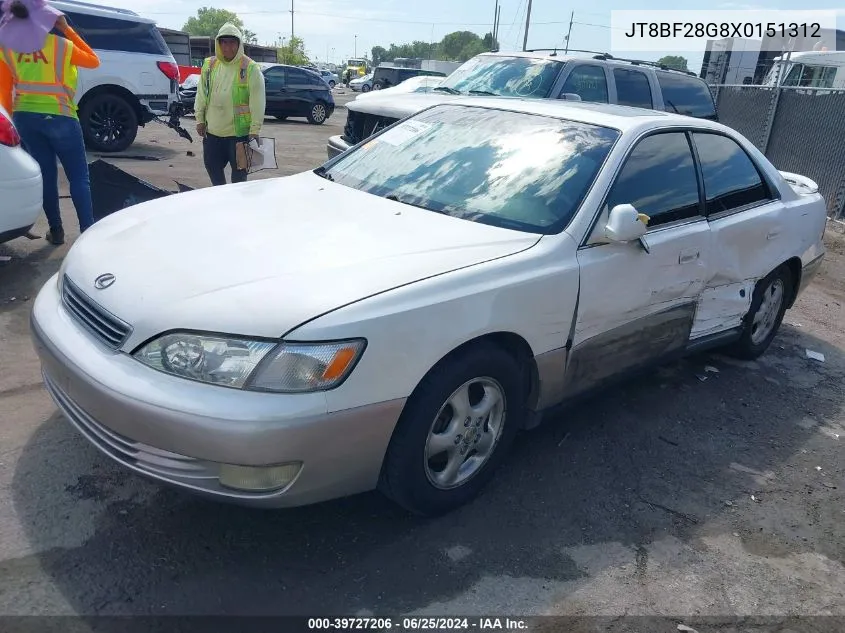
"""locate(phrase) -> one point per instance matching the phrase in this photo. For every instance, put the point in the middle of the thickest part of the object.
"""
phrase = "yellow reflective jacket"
(230, 95)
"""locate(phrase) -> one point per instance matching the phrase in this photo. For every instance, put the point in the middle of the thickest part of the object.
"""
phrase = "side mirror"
(571, 96)
(625, 224)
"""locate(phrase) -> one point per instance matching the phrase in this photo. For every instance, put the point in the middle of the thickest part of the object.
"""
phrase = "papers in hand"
(262, 154)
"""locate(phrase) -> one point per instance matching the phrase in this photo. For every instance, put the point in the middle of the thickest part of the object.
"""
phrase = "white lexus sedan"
(392, 319)
(21, 191)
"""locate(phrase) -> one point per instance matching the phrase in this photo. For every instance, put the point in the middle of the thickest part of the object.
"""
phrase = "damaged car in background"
(453, 278)
(537, 74)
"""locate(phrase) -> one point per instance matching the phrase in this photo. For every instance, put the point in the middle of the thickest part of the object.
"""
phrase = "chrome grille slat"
(125, 450)
(106, 327)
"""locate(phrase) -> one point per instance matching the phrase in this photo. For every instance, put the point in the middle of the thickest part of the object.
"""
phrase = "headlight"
(253, 365)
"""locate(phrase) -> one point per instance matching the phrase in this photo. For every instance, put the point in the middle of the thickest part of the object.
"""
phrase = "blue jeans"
(47, 137)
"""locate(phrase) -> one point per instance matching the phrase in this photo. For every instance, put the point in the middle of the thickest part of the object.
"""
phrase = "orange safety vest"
(44, 81)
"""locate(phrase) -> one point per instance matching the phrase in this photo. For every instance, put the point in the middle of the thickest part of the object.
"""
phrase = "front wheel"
(455, 430)
(109, 123)
(768, 306)
(318, 114)
(365, 88)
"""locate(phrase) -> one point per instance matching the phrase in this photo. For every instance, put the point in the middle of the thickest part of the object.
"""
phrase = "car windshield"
(505, 76)
(514, 170)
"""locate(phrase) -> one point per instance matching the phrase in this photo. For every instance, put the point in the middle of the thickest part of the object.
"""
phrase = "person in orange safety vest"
(38, 89)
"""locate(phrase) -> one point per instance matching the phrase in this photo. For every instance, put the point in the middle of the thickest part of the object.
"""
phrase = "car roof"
(89, 8)
(595, 56)
(620, 117)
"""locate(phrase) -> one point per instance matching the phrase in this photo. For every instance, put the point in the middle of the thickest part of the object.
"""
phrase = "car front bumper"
(336, 146)
(183, 433)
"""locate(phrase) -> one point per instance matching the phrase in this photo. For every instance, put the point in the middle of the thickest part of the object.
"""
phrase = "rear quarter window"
(112, 34)
(686, 95)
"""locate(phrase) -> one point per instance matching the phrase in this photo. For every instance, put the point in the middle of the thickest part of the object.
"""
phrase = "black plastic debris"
(113, 189)
(183, 188)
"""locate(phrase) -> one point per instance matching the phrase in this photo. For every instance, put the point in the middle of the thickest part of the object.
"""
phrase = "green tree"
(379, 55)
(674, 61)
(208, 21)
(293, 52)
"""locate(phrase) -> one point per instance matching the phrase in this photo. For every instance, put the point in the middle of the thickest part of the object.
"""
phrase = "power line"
(362, 19)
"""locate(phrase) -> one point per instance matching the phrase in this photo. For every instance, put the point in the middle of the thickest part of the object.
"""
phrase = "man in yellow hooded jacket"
(230, 104)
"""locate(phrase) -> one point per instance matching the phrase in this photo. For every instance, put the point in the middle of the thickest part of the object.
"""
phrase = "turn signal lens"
(301, 367)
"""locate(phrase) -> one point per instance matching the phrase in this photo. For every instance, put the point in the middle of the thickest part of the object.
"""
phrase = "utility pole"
(496, 29)
(356, 46)
(291, 19)
(527, 22)
(571, 19)
(495, 17)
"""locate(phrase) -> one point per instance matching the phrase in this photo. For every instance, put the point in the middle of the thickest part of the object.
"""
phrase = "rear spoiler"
(800, 184)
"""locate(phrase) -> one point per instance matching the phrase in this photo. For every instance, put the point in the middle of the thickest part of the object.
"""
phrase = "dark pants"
(219, 151)
(47, 137)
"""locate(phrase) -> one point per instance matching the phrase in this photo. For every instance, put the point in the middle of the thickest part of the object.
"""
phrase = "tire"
(378, 86)
(409, 478)
(365, 88)
(109, 123)
(332, 85)
(318, 114)
(762, 322)
(282, 117)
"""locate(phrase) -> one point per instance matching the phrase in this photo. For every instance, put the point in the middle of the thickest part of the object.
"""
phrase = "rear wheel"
(332, 84)
(318, 113)
(365, 88)
(109, 123)
(455, 431)
(768, 306)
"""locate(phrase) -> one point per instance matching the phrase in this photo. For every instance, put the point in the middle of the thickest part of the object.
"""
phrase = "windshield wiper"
(482, 92)
(322, 173)
(451, 91)
(395, 198)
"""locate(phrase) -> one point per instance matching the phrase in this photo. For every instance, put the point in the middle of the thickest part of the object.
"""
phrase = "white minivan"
(136, 81)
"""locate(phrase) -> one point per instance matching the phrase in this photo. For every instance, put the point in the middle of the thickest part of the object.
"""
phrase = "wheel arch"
(513, 344)
(795, 268)
(114, 89)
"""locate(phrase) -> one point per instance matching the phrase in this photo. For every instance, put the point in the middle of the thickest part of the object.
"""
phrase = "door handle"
(688, 256)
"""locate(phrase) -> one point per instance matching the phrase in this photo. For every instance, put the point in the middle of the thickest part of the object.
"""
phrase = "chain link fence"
(801, 130)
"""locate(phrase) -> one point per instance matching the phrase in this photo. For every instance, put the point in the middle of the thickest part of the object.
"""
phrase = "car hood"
(262, 257)
(398, 106)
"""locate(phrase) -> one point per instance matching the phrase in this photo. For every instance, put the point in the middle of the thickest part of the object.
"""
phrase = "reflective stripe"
(9, 61)
(242, 109)
(48, 80)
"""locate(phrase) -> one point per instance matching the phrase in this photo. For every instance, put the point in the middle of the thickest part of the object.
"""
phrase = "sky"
(335, 30)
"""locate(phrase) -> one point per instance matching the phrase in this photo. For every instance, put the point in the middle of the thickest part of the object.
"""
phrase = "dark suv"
(389, 76)
(539, 75)
(293, 91)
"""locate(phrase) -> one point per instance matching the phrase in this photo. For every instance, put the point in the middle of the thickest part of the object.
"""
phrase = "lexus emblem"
(104, 281)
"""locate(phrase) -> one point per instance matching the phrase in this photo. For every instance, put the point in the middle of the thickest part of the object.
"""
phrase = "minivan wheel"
(318, 114)
(109, 123)
(455, 431)
(365, 88)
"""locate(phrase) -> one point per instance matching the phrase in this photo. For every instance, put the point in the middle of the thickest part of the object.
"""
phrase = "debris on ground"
(5, 258)
(711, 369)
(701, 377)
(815, 355)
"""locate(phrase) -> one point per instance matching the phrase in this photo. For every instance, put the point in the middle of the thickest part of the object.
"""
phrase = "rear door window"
(632, 88)
(686, 95)
(588, 82)
(112, 34)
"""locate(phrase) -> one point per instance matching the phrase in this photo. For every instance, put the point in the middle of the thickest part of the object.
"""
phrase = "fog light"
(258, 478)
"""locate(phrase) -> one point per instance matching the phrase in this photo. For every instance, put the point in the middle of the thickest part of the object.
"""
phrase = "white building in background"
(731, 61)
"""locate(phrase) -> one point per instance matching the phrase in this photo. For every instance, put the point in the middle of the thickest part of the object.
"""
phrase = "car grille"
(106, 327)
(170, 466)
(360, 126)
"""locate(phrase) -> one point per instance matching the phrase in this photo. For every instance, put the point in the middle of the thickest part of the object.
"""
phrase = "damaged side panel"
(722, 308)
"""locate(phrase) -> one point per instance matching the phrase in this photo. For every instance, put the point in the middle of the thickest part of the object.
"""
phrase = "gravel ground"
(686, 492)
